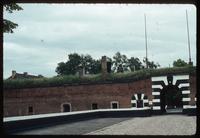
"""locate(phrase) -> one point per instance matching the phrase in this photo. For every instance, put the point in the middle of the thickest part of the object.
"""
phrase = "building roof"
(24, 75)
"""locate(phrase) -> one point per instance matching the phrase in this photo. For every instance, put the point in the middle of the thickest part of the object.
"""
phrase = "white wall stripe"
(146, 101)
(156, 100)
(156, 107)
(161, 78)
(158, 78)
(157, 86)
(133, 101)
(186, 92)
(155, 93)
(136, 97)
(183, 85)
(179, 77)
(186, 99)
(142, 96)
(189, 106)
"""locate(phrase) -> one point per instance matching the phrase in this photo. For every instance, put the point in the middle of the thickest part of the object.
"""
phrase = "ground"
(157, 125)
(154, 125)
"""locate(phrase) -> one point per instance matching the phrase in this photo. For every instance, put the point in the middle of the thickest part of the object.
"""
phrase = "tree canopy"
(135, 64)
(8, 25)
(119, 63)
(151, 64)
(77, 62)
(180, 63)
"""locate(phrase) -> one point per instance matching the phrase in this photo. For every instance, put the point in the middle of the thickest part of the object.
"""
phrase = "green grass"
(112, 78)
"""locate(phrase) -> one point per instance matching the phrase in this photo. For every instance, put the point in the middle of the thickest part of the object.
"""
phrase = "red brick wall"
(49, 100)
(192, 89)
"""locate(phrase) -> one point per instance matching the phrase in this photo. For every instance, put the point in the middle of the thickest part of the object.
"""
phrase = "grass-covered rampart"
(95, 79)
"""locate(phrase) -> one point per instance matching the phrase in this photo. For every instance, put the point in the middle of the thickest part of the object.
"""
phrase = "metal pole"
(188, 37)
(145, 38)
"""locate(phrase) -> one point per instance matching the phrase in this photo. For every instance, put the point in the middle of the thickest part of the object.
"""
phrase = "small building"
(24, 75)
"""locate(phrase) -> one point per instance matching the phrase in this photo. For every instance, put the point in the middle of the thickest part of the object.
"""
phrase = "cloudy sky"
(47, 33)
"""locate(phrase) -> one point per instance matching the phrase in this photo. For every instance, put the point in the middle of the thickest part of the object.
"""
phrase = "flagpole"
(188, 37)
(145, 39)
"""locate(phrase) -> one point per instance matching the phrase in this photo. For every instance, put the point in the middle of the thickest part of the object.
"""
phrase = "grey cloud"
(46, 35)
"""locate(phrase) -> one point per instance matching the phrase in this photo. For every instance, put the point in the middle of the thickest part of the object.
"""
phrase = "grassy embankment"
(93, 79)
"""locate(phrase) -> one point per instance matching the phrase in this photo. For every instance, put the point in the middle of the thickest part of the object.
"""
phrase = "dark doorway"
(139, 103)
(114, 105)
(66, 108)
(94, 106)
(30, 110)
(170, 98)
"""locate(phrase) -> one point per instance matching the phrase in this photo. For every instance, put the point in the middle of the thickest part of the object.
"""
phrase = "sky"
(47, 33)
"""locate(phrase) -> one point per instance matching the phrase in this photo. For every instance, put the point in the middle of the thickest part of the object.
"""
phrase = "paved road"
(76, 128)
(155, 125)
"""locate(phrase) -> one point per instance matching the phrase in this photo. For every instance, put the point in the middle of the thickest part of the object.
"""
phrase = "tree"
(179, 63)
(134, 64)
(74, 63)
(151, 64)
(95, 67)
(91, 65)
(86, 62)
(71, 66)
(77, 62)
(63, 68)
(8, 25)
(120, 63)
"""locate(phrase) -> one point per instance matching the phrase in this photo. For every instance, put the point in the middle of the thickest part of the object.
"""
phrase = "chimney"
(25, 73)
(13, 73)
(104, 66)
(81, 72)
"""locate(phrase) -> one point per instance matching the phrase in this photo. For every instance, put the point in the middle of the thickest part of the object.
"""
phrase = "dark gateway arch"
(170, 96)
(170, 92)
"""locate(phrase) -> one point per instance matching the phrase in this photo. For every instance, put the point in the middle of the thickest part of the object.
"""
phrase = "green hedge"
(111, 78)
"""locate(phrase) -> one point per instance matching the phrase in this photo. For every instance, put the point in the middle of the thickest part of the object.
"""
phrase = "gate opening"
(171, 99)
